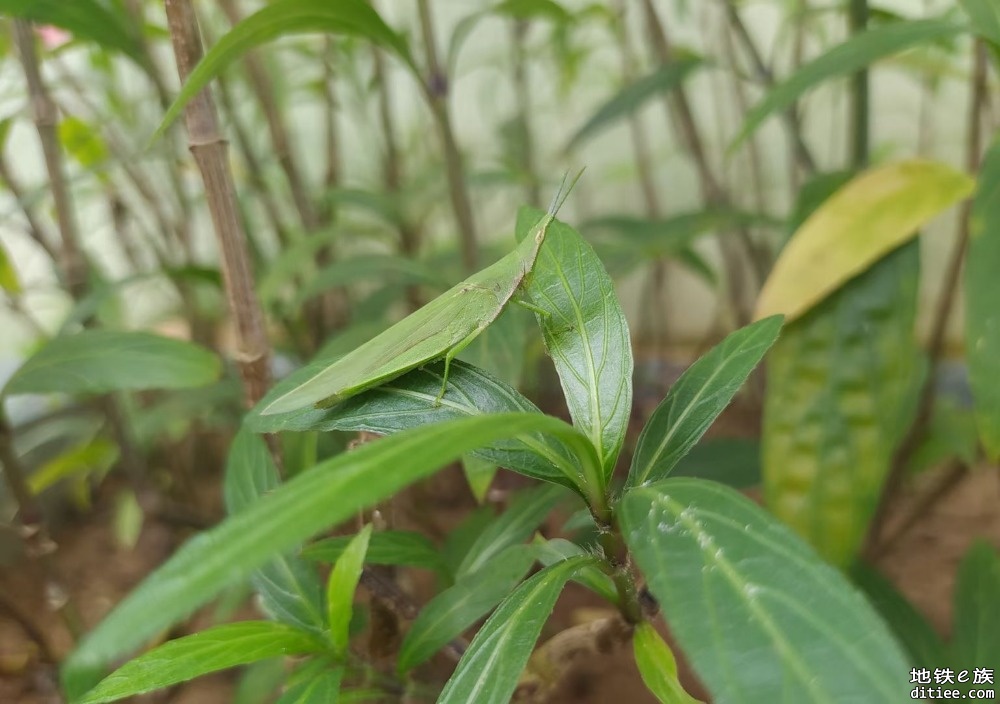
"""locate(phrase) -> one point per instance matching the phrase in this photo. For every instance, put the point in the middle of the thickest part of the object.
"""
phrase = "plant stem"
(36, 230)
(522, 89)
(210, 153)
(616, 554)
(860, 98)
(436, 91)
(939, 324)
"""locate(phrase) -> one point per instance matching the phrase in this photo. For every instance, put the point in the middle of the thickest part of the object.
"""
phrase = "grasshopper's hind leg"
(452, 353)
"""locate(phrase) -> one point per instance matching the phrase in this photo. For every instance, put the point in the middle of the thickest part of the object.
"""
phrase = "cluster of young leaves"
(740, 587)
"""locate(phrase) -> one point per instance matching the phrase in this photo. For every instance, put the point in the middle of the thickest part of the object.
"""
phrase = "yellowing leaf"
(873, 214)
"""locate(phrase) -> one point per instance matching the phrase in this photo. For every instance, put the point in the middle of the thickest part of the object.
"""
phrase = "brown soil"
(99, 572)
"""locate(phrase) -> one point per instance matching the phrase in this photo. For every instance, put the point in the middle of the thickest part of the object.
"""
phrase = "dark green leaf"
(86, 19)
(526, 512)
(976, 636)
(658, 666)
(400, 548)
(216, 649)
(982, 315)
(924, 646)
(102, 361)
(354, 18)
(466, 533)
(409, 401)
(697, 398)
(856, 53)
(586, 334)
(451, 612)
(340, 590)
(289, 589)
(734, 462)
(320, 497)
(757, 613)
(666, 78)
(489, 670)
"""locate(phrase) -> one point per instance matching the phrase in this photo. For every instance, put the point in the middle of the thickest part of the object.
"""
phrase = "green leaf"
(666, 78)
(401, 548)
(353, 18)
(409, 401)
(215, 649)
(697, 398)
(95, 455)
(517, 523)
(8, 274)
(102, 361)
(985, 16)
(86, 19)
(844, 59)
(366, 268)
(951, 434)
(982, 317)
(862, 222)
(289, 589)
(128, 519)
(842, 387)
(658, 667)
(592, 577)
(489, 670)
(479, 473)
(459, 541)
(921, 642)
(586, 334)
(340, 590)
(976, 635)
(758, 615)
(82, 142)
(734, 462)
(457, 608)
(320, 688)
(533, 9)
(322, 496)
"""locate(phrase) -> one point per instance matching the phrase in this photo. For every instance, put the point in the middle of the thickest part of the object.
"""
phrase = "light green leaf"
(367, 268)
(976, 636)
(8, 274)
(489, 670)
(340, 590)
(592, 577)
(410, 401)
(455, 609)
(844, 59)
(97, 455)
(318, 498)
(128, 519)
(102, 361)
(319, 688)
(697, 398)
(982, 315)
(517, 523)
(215, 649)
(758, 615)
(666, 78)
(354, 18)
(985, 16)
(658, 667)
(921, 642)
(459, 541)
(289, 589)
(401, 548)
(479, 473)
(862, 222)
(82, 142)
(587, 336)
(86, 19)
(534, 9)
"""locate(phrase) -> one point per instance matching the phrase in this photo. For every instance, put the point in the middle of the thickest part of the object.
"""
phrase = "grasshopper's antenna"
(563, 192)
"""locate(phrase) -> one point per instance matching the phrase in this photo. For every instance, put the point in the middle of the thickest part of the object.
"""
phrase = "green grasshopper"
(443, 327)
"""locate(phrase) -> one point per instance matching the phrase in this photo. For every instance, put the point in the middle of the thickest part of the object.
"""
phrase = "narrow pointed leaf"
(633, 96)
(982, 314)
(489, 670)
(458, 607)
(976, 634)
(289, 588)
(592, 577)
(697, 398)
(215, 649)
(282, 18)
(658, 666)
(526, 512)
(398, 548)
(760, 617)
(315, 499)
(102, 361)
(856, 53)
(340, 590)
(322, 688)
(586, 334)
(862, 222)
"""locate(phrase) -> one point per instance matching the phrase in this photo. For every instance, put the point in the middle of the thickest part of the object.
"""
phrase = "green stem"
(860, 97)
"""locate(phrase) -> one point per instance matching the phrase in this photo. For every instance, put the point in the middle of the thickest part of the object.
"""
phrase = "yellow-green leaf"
(658, 667)
(876, 212)
(8, 275)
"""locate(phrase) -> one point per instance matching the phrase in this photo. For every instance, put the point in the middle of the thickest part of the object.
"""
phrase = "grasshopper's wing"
(422, 336)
